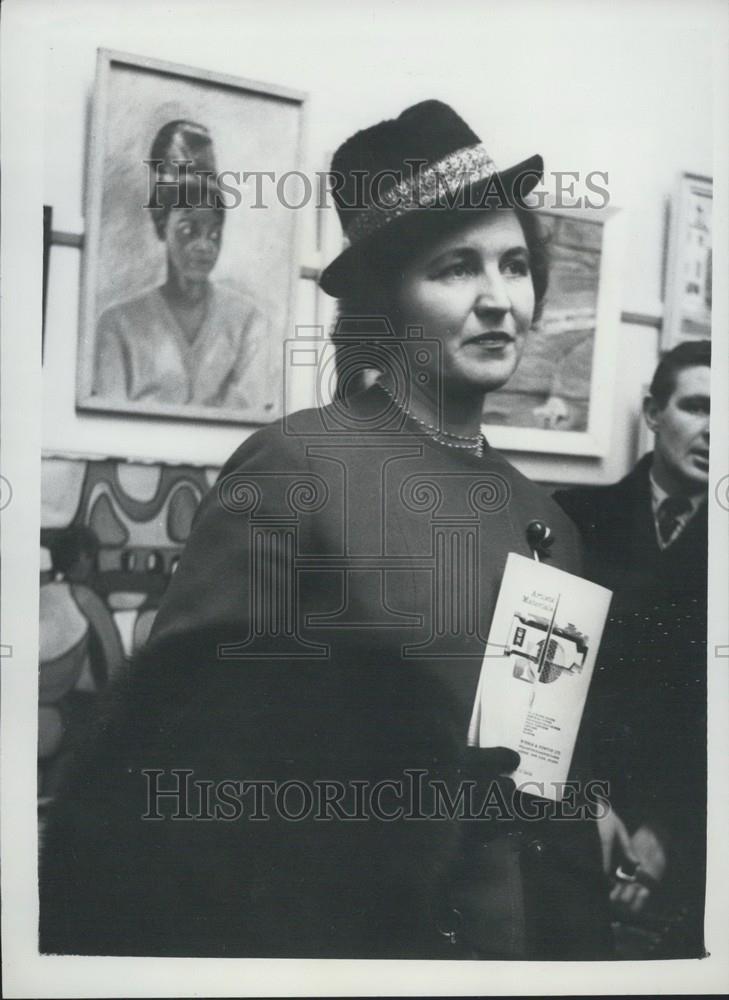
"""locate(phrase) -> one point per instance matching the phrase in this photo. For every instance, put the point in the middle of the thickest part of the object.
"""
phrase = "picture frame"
(145, 348)
(687, 285)
(560, 399)
(47, 233)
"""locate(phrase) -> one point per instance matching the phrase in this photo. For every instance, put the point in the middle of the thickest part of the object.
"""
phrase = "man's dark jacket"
(649, 691)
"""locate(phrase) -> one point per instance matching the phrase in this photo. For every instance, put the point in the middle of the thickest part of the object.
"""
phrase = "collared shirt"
(658, 495)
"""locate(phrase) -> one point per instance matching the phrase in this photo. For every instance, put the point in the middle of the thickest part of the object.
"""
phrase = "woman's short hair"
(373, 294)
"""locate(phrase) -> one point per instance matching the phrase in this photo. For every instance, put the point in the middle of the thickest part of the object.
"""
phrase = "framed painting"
(189, 268)
(687, 309)
(47, 231)
(559, 400)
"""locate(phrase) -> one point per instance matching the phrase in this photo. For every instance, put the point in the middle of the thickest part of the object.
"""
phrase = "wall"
(594, 86)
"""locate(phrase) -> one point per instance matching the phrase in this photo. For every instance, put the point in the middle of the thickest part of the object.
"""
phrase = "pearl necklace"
(474, 444)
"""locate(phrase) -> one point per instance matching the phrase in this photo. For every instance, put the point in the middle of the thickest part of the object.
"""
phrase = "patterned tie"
(668, 516)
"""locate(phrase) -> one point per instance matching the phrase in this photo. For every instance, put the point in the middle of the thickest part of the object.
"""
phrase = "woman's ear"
(650, 412)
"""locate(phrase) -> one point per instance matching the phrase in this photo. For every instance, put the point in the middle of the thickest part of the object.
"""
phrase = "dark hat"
(390, 176)
(182, 162)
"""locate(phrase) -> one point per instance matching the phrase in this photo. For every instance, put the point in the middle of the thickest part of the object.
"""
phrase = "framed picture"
(189, 255)
(559, 400)
(687, 312)
(47, 230)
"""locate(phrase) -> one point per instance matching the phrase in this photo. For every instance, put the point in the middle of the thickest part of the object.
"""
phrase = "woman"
(325, 629)
(190, 340)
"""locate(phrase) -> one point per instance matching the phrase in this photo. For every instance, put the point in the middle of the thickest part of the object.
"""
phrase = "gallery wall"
(585, 90)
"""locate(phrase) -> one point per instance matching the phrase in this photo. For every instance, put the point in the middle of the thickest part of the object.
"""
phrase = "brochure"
(536, 670)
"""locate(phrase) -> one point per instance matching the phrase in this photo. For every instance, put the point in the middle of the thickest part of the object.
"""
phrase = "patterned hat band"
(446, 177)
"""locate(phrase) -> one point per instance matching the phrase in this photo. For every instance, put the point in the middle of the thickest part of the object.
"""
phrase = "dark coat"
(351, 577)
(649, 691)
(621, 551)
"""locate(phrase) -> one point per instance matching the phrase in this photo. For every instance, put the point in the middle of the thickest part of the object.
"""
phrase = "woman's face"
(193, 238)
(472, 291)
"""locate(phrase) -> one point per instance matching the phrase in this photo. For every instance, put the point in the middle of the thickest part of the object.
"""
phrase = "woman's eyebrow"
(467, 248)
(460, 250)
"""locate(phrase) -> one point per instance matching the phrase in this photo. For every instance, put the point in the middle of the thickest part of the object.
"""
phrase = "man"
(646, 539)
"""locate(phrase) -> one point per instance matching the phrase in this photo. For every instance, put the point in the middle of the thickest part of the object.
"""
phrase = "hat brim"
(514, 183)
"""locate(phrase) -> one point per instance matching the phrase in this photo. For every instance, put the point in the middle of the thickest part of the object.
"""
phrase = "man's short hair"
(685, 355)
(69, 544)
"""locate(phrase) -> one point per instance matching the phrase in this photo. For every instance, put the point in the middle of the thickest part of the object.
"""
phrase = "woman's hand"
(499, 760)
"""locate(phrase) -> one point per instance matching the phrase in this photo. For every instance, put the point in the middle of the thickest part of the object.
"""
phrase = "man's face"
(681, 458)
